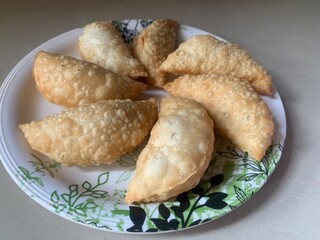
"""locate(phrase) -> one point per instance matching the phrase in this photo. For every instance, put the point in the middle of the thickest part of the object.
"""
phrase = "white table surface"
(283, 35)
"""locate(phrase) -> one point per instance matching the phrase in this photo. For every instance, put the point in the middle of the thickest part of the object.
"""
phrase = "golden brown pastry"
(101, 44)
(236, 108)
(93, 134)
(177, 153)
(70, 82)
(153, 45)
(204, 54)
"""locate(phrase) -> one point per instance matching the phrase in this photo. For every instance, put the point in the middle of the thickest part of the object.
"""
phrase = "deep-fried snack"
(153, 45)
(204, 54)
(237, 110)
(101, 44)
(93, 134)
(177, 153)
(71, 82)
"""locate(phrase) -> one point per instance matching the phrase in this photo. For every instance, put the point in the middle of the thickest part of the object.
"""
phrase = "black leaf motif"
(215, 200)
(218, 195)
(135, 228)
(164, 225)
(195, 223)
(216, 180)
(183, 199)
(137, 216)
(173, 224)
(152, 230)
(177, 211)
(164, 211)
(160, 224)
(206, 220)
(198, 190)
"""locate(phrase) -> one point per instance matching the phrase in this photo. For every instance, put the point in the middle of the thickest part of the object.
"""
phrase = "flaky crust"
(93, 134)
(153, 45)
(204, 54)
(177, 153)
(237, 110)
(101, 44)
(71, 82)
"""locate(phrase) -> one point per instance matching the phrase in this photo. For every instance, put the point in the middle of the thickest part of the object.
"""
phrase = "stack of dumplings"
(216, 90)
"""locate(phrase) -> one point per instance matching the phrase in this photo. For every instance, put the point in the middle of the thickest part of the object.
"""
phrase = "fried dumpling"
(177, 154)
(93, 134)
(204, 54)
(237, 110)
(101, 44)
(153, 45)
(71, 82)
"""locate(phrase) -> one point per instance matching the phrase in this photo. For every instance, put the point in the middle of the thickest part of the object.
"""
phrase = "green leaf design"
(125, 176)
(40, 169)
(77, 202)
(25, 172)
(43, 167)
(252, 165)
(122, 212)
(248, 177)
(99, 194)
(240, 194)
(60, 208)
(54, 197)
(73, 190)
(120, 225)
(86, 185)
(65, 197)
(90, 205)
(80, 212)
(103, 178)
(80, 206)
(36, 180)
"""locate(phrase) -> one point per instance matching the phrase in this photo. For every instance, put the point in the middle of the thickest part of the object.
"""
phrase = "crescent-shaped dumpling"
(100, 43)
(71, 82)
(177, 154)
(93, 134)
(153, 45)
(237, 110)
(204, 54)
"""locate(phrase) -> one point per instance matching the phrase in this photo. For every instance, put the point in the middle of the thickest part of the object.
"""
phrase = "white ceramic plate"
(94, 196)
